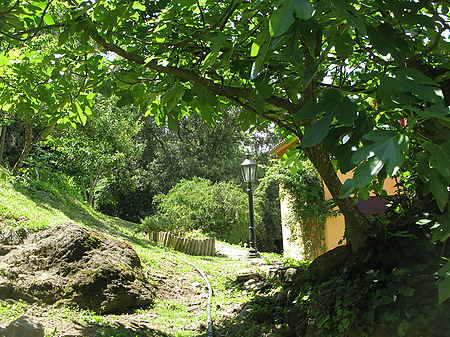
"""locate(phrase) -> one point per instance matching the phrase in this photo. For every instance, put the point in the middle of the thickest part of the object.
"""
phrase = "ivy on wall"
(302, 185)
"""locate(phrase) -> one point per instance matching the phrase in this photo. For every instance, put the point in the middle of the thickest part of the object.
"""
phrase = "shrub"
(219, 209)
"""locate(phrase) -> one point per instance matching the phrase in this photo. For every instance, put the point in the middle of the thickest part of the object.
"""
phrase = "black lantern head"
(248, 170)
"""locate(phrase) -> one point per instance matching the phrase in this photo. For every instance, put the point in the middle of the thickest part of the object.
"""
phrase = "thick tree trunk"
(2, 142)
(355, 222)
(28, 141)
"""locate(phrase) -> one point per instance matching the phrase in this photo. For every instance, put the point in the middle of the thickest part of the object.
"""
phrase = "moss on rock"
(75, 265)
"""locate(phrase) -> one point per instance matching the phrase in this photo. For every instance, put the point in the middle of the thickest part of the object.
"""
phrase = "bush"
(218, 209)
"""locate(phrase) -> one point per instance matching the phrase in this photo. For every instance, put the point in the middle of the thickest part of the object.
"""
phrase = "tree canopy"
(364, 84)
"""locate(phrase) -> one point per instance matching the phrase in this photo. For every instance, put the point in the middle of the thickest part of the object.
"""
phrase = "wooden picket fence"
(189, 246)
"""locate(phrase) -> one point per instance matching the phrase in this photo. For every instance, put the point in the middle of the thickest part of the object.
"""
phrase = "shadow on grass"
(69, 206)
(260, 317)
(253, 321)
(117, 329)
(79, 213)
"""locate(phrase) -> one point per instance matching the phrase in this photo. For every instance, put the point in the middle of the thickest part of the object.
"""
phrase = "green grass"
(46, 210)
(37, 206)
(11, 310)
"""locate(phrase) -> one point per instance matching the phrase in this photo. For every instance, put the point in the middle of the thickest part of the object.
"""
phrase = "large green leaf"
(82, 118)
(205, 102)
(362, 176)
(439, 157)
(438, 188)
(309, 111)
(283, 17)
(303, 9)
(48, 20)
(345, 111)
(444, 287)
(387, 146)
(441, 232)
(173, 96)
(137, 5)
(333, 103)
(317, 131)
(209, 60)
(414, 82)
(445, 270)
(261, 38)
(260, 48)
(343, 44)
(395, 44)
(439, 111)
(428, 93)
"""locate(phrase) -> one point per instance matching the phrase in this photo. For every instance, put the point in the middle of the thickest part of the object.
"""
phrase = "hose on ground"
(210, 293)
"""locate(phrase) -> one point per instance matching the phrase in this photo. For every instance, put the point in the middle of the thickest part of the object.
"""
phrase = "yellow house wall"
(334, 231)
(335, 226)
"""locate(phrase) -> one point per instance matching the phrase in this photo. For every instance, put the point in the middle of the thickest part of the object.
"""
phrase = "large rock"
(74, 265)
(24, 327)
(324, 265)
(10, 235)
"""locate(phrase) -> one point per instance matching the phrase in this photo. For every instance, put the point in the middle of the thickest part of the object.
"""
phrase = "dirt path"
(231, 252)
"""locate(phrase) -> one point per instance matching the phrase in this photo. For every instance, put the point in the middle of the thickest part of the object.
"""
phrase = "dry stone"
(74, 265)
(24, 326)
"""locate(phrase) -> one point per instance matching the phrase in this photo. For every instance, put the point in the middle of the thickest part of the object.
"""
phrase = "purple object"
(372, 206)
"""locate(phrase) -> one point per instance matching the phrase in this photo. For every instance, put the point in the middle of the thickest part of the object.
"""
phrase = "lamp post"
(248, 170)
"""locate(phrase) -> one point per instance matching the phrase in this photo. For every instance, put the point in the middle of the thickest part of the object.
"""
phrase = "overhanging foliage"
(342, 75)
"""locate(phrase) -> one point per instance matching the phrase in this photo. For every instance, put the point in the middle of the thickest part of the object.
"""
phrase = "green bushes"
(198, 204)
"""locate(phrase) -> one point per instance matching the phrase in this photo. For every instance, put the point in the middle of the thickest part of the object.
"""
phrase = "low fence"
(189, 246)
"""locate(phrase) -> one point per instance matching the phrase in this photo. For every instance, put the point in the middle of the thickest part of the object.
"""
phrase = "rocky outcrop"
(74, 265)
(23, 327)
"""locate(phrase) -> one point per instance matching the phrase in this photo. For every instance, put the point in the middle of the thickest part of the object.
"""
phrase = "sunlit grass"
(10, 310)
(35, 209)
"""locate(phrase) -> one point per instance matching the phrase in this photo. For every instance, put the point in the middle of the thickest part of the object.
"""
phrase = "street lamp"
(248, 170)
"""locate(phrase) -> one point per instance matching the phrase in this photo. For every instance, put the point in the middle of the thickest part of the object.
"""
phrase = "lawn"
(180, 307)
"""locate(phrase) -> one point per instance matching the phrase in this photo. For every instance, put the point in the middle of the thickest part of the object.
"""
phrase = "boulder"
(324, 265)
(10, 236)
(24, 326)
(74, 265)
(5, 249)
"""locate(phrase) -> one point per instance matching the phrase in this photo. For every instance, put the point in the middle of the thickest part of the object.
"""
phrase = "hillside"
(180, 307)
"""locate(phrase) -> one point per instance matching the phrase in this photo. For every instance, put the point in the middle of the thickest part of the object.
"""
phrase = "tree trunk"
(355, 222)
(93, 181)
(2, 142)
(28, 140)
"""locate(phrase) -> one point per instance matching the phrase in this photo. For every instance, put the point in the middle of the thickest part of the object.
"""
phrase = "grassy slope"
(179, 310)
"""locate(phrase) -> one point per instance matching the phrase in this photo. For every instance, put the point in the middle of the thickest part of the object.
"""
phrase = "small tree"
(219, 209)
(97, 151)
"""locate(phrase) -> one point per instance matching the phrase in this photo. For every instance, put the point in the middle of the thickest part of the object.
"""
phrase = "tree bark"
(28, 141)
(2, 142)
(355, 222)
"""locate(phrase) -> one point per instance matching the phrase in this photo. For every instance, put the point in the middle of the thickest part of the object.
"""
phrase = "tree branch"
(201, 13)
(42, 18)
(348, 89)
(9, 10)
(221, 90)
(228, 14)
(38, 29)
